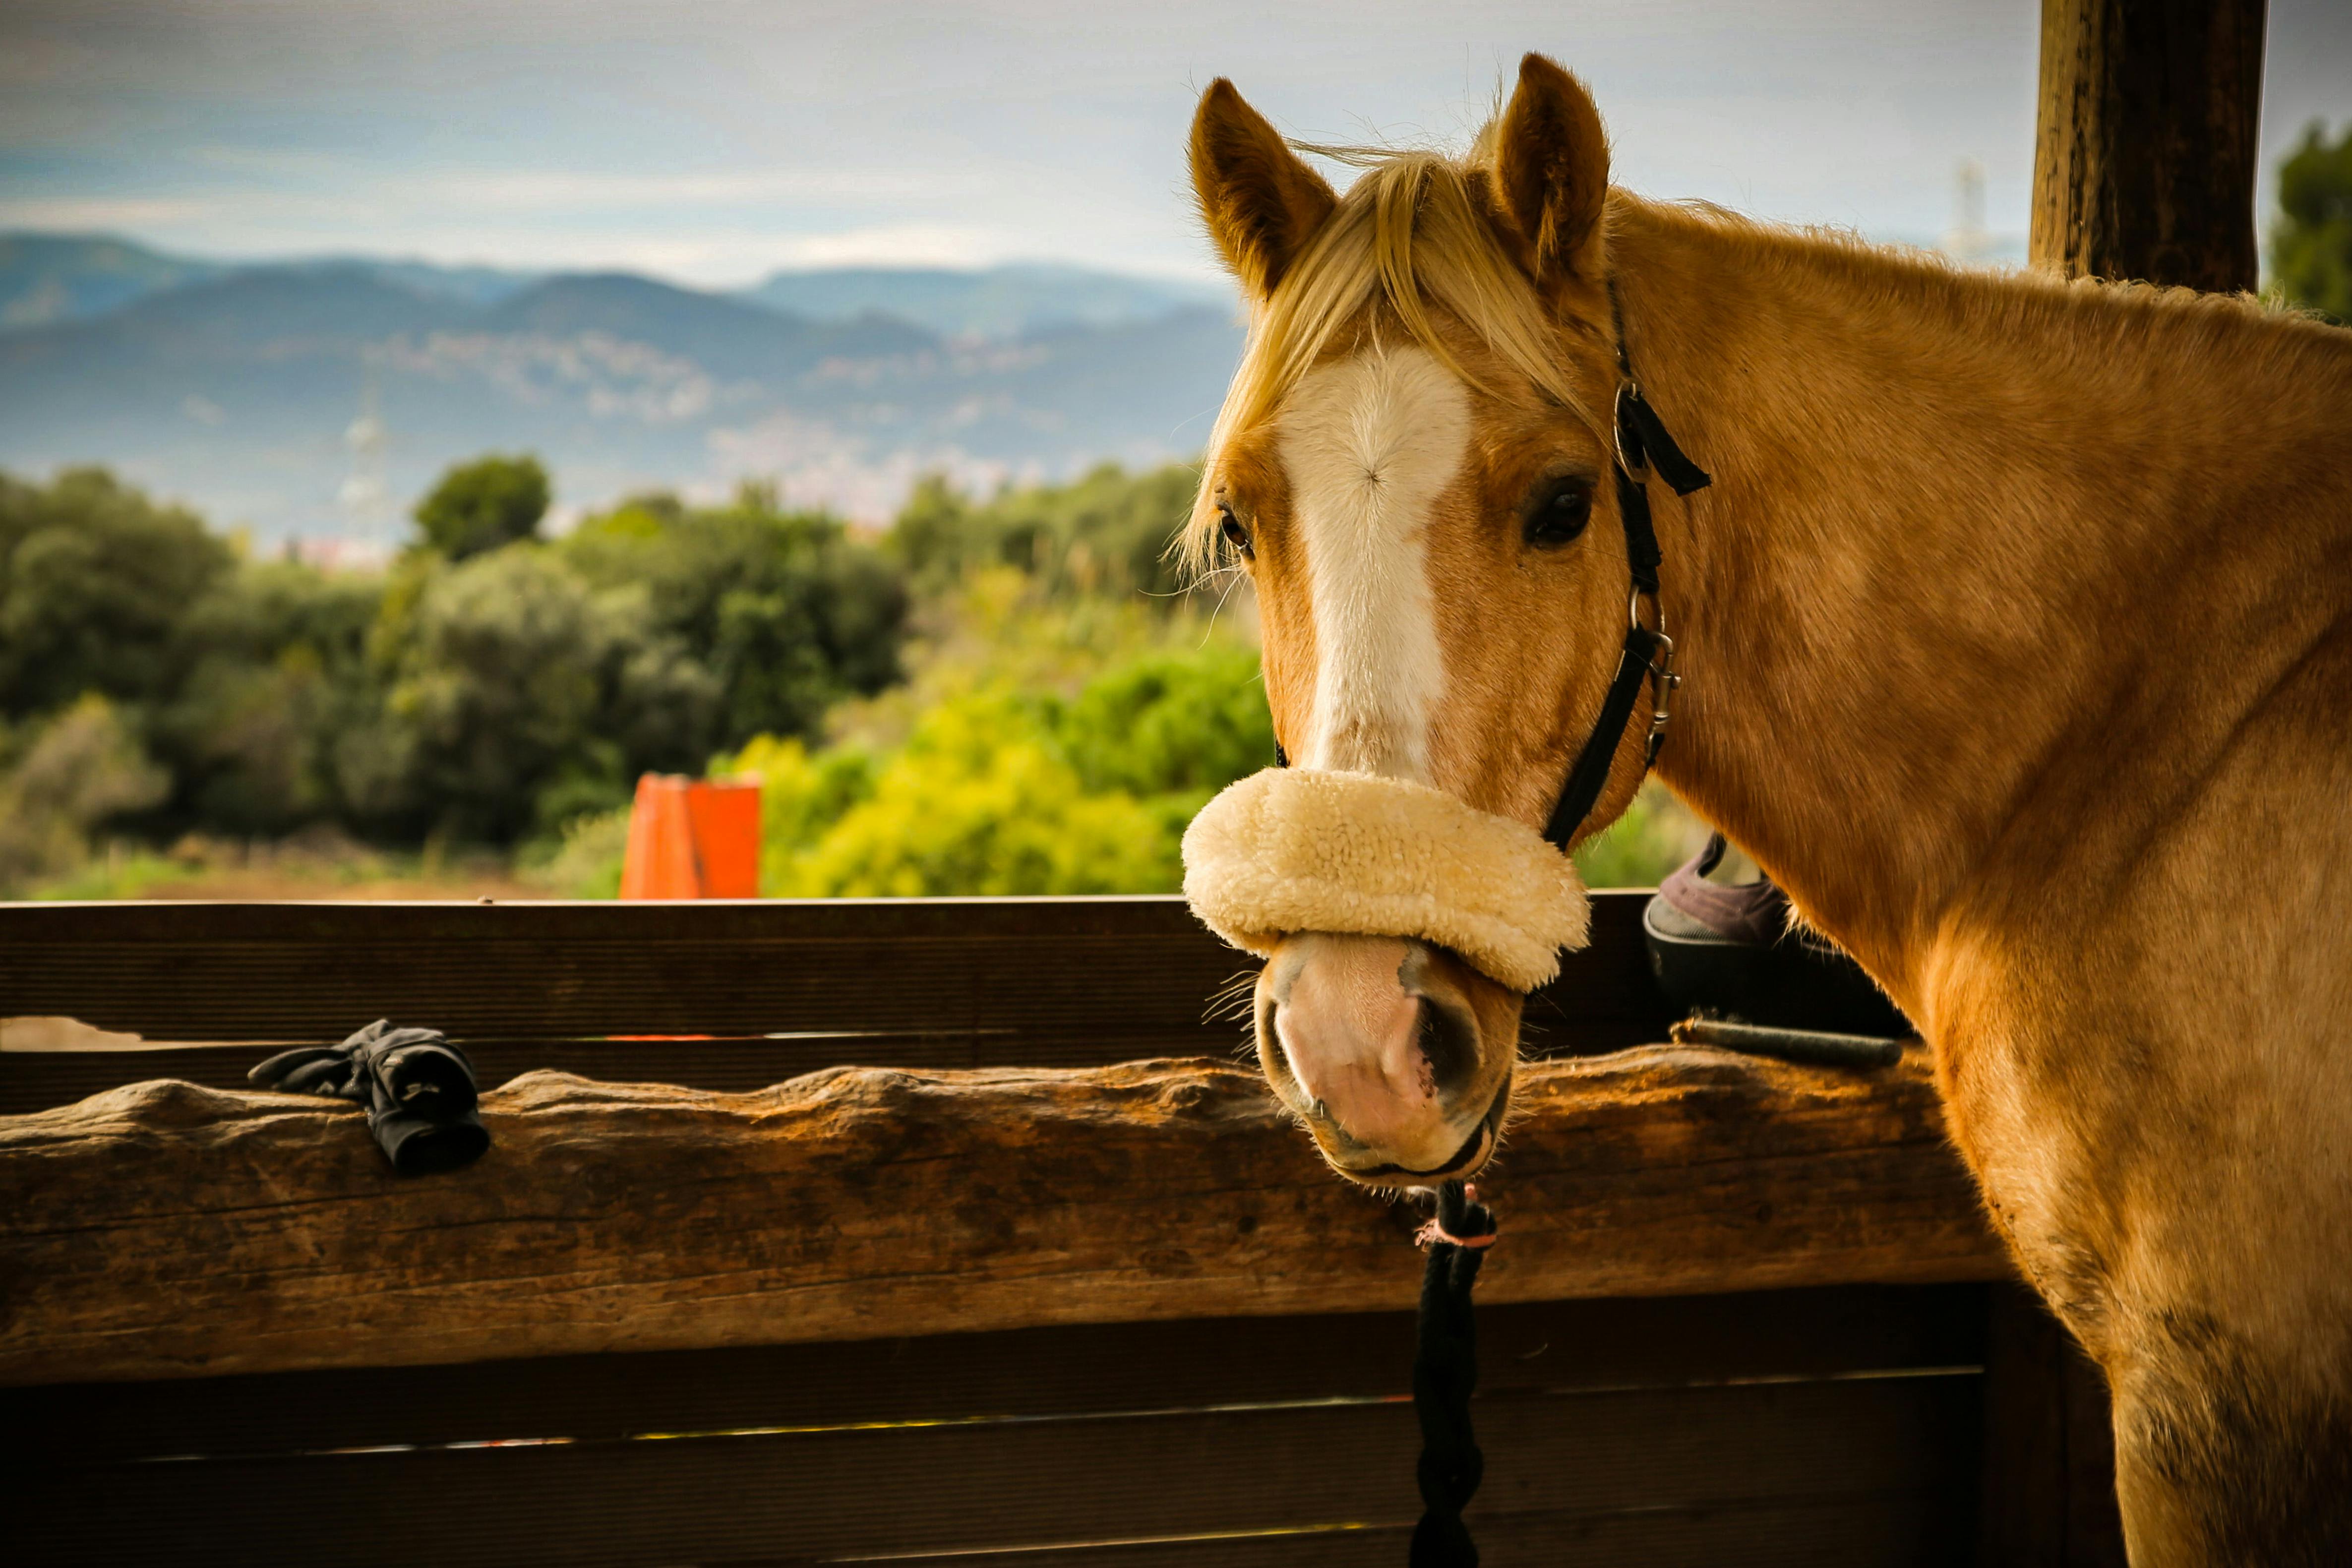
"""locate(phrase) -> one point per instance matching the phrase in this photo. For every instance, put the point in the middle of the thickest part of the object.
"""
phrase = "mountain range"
(321, 397)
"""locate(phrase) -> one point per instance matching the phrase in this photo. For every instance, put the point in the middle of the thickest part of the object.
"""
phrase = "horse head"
(1413, 469)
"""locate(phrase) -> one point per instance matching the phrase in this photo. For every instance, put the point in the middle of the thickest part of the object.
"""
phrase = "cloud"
(736, 135)
(570, 190)
(110, 214)
(900, 245)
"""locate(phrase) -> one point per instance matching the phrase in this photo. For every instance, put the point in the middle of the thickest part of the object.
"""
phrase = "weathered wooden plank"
(1909, 1530)
(38, 1081)
(1091, 1370)
(2144, 143)
(166, 1230)
(1052, 968)
(1600, 1462)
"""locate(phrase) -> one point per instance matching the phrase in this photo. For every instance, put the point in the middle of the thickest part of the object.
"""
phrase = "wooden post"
(2144, 143)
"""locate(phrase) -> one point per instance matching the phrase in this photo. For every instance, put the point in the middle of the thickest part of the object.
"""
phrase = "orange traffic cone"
(693, 839)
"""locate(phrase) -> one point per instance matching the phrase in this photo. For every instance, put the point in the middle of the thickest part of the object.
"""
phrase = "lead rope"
(1445, 1376)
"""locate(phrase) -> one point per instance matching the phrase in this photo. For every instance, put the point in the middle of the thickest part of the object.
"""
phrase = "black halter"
(1643, 444)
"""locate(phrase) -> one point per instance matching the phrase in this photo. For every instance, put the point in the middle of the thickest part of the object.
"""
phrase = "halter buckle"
(1632, 460)
(1664, 677)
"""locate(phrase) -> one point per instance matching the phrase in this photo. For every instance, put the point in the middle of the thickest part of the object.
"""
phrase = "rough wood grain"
(162, 1230)
(2144, 143)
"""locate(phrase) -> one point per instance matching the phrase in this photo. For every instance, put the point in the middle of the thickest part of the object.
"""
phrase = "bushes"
(483, 694)
(787, 614)
(1105, 533)
(516, 697)
(275, 669)
(481, 505)
(65, 776)
(96, 584)
(2311, 239)
(1000, 791)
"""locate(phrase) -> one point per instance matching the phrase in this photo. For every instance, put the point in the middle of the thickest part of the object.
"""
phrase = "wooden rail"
(1032, 967)
(165, 1230)
(741, 996)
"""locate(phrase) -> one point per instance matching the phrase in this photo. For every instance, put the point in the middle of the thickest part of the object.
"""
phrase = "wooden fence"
(1028, 1271)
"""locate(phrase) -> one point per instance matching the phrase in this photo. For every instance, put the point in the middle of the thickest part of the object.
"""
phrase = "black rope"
(1445, 1376)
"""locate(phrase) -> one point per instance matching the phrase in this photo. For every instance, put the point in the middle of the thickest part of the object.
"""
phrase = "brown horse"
(2015, 640)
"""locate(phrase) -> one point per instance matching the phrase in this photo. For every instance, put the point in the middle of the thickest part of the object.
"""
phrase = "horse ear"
(1261, 202)
(1551, 172)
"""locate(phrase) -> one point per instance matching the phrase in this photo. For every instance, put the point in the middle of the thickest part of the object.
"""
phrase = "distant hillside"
(66, 278)
(48, 279)
(720, 334)
(234, 391)
(994, 302)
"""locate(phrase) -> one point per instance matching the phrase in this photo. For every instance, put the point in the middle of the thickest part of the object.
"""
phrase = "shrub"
(482, 505)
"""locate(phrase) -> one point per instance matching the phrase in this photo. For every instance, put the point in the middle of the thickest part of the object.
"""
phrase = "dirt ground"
(260, 882)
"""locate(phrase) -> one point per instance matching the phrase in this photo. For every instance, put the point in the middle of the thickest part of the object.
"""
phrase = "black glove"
(418, 1089)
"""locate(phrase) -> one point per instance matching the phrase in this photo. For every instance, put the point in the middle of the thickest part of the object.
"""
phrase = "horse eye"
(1235, 535)
(1562, 508)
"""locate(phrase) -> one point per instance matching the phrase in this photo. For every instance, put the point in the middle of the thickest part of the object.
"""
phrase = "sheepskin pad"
(1301, 849)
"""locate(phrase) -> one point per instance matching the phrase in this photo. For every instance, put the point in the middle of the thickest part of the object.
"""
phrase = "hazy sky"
(712, 142)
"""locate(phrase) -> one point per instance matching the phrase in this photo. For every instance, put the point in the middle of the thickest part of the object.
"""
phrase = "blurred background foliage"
(997, 695)
(2311, 238)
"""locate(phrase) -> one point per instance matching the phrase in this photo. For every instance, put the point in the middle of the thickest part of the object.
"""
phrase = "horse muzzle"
(1396, 1054)
(1401, 928)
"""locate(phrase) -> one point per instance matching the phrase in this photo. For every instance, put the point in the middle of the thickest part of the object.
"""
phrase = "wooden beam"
(1111, 968)
(165, 1230)
(2144, 142)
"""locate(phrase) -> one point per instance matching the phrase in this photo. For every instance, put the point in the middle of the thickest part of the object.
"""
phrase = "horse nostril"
(1449, 1040)
(1270, 1056)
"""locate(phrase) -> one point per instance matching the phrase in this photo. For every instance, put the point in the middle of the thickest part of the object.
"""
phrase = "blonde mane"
(1411, 233)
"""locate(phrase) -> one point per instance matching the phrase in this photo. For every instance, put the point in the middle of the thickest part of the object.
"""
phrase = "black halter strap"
(1642, 445)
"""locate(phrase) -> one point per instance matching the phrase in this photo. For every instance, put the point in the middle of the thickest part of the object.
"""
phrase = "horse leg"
(2186, 1224)
(2224, 1456)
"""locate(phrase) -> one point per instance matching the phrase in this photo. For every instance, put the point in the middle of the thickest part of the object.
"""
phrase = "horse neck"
(1969, 539)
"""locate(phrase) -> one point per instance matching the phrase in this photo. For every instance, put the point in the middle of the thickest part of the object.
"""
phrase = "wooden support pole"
(164, 1230)
(2144, 143)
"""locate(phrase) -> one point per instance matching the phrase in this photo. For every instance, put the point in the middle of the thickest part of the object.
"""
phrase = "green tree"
(1183, 723)
(67, 776)
(516, 697)
(276, 668)
(95, 582)
(786, 611)
(481, 505)
(2311, 241)
(935, 536)
(1105, 533)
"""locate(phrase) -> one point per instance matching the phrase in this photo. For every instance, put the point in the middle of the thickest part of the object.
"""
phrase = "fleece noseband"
(1296, 849)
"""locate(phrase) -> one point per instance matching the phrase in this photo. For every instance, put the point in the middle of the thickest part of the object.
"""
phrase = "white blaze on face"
(1368, 444)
